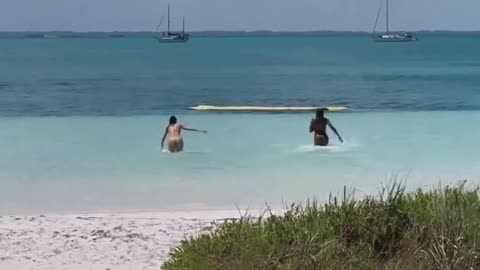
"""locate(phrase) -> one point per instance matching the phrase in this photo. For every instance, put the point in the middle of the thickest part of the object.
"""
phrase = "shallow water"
(115, 163)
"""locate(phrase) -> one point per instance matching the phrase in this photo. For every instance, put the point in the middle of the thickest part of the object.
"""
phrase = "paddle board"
(265, 109)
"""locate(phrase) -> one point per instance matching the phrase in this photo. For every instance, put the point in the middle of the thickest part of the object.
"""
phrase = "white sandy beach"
(98, 241)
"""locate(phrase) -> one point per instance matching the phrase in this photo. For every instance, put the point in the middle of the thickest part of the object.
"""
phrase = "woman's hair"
(321, 112)
(173, 120)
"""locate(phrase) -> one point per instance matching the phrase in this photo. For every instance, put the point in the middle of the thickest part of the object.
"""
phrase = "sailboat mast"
(388, 27)
(183, 25)
(168, 18)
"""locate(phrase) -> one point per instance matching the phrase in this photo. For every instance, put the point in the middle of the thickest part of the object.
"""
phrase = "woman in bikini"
(318, 126)
(173, 133)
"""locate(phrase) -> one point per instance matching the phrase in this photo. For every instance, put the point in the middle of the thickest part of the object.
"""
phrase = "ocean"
(81, 120)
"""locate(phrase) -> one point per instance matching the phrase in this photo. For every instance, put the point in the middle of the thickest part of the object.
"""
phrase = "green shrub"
(435, 229)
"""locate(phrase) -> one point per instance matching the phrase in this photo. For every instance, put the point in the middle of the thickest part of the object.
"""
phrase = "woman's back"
(174, 130)
(319, 126)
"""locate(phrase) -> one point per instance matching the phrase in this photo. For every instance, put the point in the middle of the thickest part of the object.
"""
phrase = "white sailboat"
(389, 36)
(171, 37)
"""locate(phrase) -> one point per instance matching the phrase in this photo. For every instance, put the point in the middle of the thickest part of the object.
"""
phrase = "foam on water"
(331, 148)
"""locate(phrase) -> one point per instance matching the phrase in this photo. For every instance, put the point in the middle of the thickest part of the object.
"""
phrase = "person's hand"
(204, 131)
(340, 138)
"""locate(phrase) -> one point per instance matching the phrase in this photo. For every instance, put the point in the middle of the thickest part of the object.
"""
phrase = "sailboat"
(390, 36)
(171, 37)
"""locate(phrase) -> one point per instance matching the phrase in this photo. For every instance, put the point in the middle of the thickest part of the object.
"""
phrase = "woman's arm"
(164, 136)
(334, 130)
(193, 129)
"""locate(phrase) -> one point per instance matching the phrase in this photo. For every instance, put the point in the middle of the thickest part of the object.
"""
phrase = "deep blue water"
(138, 76)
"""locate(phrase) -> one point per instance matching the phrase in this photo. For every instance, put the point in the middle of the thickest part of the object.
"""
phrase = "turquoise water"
(115, 163)
(81, 120)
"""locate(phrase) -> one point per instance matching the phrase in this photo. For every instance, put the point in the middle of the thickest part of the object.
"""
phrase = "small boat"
(171, 37)
(390, 36)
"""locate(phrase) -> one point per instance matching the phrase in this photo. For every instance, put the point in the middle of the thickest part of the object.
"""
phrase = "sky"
(276, 15)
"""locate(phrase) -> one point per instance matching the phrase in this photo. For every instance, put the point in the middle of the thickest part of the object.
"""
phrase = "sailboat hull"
(171, 40)
(395, 39)
(400, 37)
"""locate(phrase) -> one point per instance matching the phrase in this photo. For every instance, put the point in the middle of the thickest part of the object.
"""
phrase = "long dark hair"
(173, 120)
(321, 113)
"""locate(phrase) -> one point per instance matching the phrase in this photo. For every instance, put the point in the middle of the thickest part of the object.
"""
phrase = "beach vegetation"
(396, 229)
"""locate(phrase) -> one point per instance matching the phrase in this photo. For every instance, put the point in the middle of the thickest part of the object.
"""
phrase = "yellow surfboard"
(265, 109)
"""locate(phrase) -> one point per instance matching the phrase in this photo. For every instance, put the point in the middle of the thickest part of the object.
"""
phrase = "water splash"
(332, 148)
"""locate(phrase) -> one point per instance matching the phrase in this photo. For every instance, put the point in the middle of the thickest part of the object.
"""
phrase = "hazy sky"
(288, 15)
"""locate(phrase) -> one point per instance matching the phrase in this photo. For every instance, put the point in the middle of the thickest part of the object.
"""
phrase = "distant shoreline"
(213, 33)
